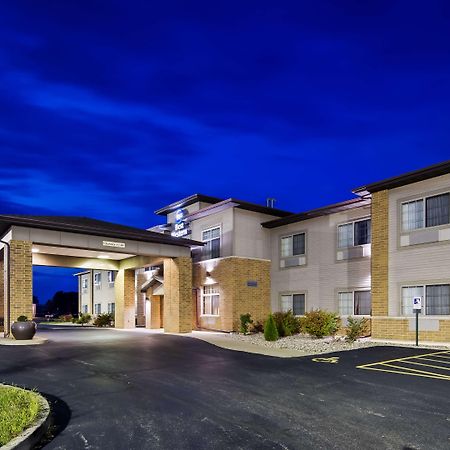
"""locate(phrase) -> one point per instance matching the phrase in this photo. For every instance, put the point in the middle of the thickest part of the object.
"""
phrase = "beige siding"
(423, 263)
(323, 275)
(103, 294)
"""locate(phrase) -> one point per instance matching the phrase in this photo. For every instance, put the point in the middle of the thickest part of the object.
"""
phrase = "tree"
(270, 329)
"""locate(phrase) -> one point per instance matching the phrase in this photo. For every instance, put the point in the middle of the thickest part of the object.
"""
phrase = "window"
(97, 308)
(294, 303)
(84, 283)
(358, 303)
(354, 233)
(293, 245)
(210, 300)
(435, 299)
(211, 238)
(111, 308)
(111, 277)
(427, 212)
(97, 279)
(85, 309)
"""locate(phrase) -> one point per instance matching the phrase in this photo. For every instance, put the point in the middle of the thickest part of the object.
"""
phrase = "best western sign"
(181, 228)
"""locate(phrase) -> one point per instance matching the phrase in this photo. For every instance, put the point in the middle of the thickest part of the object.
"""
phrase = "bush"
(321, 323)
(246, 320)
(258, 327)
(22, 319)
(84, 318)
(66, 318)
(356, 327)
(287, 324)
(103, 320)
(270, 329)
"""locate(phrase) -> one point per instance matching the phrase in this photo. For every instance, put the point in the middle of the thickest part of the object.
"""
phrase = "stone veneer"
(178, 295)
(124, 291)
(236, 297)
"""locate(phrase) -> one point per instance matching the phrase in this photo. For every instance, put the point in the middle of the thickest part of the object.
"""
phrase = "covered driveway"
(85, 243)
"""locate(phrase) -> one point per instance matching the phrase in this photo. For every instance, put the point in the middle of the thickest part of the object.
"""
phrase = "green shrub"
(22, 319)
(246, 321)
(84, 318)
(103, 320)
(321, 323)
(270, 329)
(356, 327)
(287, 324)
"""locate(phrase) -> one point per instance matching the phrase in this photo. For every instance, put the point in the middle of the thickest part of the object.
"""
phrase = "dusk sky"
(113, 109)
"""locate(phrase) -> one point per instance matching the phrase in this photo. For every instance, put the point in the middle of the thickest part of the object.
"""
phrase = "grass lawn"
(18, 409)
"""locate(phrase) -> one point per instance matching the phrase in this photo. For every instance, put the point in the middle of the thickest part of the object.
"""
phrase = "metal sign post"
(417, 307)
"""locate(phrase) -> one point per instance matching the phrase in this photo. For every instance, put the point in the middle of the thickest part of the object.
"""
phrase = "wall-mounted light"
(208, 273)
(103, 257)
(35, 250)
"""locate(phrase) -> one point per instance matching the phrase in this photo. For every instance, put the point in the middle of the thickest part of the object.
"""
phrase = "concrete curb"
(35, 432)
(34, 341)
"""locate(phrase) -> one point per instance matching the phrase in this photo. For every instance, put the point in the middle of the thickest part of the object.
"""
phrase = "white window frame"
(352, 223)
(352, 291)
(97, 308)
(424, 299)
(111, 277)
(85, 309)
(291, 253)
(208, 297)
(291, 294)
(97, 282)
(213, 239)
(424, 217)
(111, 308)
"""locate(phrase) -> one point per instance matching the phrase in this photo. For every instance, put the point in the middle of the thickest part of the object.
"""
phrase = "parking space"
(429, 365)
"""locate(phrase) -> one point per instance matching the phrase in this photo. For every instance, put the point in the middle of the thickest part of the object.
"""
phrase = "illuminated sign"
(113, 244)
(180, 227)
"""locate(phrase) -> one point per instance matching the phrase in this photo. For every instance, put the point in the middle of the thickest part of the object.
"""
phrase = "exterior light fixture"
(103, 257)
(34, 250)
(208, 274)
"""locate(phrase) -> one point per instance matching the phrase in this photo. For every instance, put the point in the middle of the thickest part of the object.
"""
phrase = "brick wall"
(2, 293)
(155, 320)
(178, 295)
(380, 253)
(232, 275)
(21, 279)
(124, 290)
(141, 296)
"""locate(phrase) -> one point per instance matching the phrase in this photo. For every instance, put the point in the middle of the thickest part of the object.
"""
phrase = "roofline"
(319, 212)
(231, 202)
(415, 176)
(186, 202)
(153, 237)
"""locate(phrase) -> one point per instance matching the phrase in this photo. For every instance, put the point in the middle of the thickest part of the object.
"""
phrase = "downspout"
(7, 322)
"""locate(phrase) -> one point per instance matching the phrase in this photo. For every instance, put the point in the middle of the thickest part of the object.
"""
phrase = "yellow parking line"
(445, 356)
(406, 373)
(440, 361)
(426, 365)
(401, 359)
(445, 377)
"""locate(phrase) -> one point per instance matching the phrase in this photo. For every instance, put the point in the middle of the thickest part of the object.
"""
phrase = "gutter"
(7, 322)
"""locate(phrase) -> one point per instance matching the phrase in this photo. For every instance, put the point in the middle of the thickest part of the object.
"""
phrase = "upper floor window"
(211, 238)
(358, 303)
(294, 303)
(97, 278)
(111, 276)
(84, 283)
(435, 299)
(354, 233)
(293, 245)
(426, 212)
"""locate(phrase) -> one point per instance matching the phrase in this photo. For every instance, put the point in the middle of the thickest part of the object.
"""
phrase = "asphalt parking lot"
(126, 390)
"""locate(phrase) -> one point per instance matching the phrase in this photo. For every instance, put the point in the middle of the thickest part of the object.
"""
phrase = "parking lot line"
(401, 366)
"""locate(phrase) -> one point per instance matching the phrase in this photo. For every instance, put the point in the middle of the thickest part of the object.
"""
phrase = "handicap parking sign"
(417, 303)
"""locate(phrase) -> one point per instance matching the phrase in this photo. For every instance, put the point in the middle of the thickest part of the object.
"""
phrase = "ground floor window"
(210, 300)
(435, 299)
(111, 308)
(357, 303)
(294, 303)
(97, 308)
(85, 309)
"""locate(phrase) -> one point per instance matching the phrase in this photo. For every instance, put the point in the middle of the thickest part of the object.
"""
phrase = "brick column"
(124, 290)
(21, 279)
(380, 258)
(178, 295)
(155, 321)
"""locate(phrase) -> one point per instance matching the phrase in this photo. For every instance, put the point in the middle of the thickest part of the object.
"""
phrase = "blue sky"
(112, 109)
